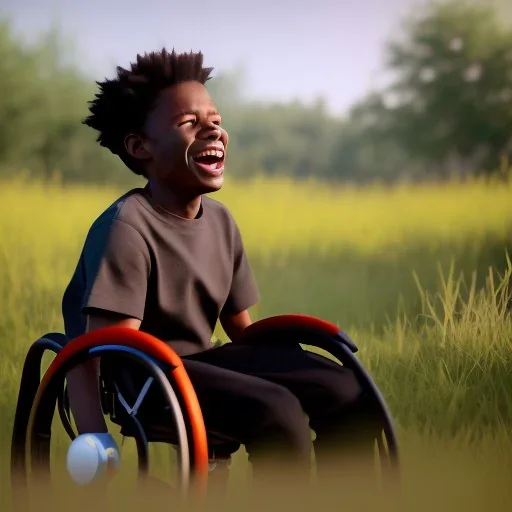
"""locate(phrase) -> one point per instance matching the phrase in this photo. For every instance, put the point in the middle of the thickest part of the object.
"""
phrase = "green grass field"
(417, 275)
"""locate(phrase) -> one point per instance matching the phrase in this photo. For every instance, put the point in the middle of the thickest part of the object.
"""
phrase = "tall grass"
(418, 276)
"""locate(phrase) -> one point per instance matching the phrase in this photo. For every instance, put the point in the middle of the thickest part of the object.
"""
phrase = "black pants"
(261, 396)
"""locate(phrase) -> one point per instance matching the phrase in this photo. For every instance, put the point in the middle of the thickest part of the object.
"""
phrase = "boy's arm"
(243, 294)
(83, 380)
(116, 266)
(234, 325)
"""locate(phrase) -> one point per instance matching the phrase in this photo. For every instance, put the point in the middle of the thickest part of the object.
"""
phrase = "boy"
(169, 261)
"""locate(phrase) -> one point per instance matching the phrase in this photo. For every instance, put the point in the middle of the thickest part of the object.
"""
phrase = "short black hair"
(122, 104)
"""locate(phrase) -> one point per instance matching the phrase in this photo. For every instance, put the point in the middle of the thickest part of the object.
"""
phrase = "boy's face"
(184, 142)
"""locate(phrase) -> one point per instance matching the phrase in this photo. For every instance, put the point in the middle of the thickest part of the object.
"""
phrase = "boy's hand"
(92, 456)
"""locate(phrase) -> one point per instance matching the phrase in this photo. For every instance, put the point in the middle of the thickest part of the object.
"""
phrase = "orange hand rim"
(156, 349)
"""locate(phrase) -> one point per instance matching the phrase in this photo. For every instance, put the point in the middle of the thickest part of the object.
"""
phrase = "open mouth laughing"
(210, 159)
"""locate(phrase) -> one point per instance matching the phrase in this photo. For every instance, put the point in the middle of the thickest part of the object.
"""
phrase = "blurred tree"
(451, 101)
(291, 139)
(43, 98)
(365, 150)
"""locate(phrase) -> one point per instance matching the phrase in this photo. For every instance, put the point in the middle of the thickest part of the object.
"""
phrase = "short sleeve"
(244, 291)
(117, 267)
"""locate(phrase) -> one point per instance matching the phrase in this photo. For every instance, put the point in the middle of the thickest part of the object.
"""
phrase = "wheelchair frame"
(38, 396)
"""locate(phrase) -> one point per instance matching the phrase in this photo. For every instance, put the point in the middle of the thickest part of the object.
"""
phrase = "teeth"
(211, 152)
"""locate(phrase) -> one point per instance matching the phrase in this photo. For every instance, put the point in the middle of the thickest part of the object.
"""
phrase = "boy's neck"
(187, 208)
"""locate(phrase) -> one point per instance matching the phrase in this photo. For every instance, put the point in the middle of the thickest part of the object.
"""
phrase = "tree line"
(448, 110)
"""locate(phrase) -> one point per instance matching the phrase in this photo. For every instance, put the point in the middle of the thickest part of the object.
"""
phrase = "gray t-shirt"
(173, 274)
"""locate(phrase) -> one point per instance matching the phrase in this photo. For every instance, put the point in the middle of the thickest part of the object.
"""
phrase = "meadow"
(417, 275)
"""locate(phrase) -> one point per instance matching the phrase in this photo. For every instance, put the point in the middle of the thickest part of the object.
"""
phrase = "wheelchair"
(198, 452)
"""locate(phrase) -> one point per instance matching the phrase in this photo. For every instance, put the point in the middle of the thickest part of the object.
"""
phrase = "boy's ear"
(137, 147)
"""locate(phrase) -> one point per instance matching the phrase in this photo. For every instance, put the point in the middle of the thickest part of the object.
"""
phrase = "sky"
(289, 49)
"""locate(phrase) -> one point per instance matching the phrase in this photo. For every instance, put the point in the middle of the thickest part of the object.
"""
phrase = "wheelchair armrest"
(287, 328)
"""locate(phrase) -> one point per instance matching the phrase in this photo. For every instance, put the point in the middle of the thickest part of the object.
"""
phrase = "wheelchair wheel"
(30, 453)
(294, 329)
